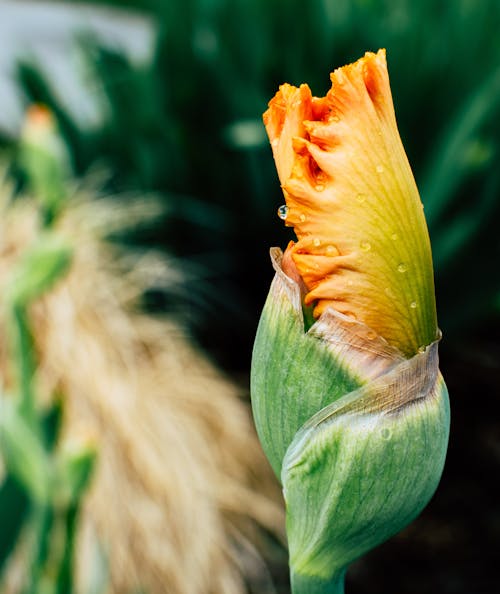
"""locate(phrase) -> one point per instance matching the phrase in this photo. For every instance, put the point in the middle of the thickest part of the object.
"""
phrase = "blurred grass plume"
(180, 486)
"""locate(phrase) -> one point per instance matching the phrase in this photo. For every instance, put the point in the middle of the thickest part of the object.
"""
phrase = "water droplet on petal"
(402, 267)
(283, 212)
(330, 250)
(316, 242)
(389, 292)
(319, 187)
(275, 142)
(371, 335)
(421, 349)
(413, 305)
(335, 118)
(394, 236)
(361, 198)
(380, 169)
(302, 217)
(365, 246)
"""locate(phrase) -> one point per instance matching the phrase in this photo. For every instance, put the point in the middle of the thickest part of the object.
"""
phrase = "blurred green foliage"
(42, 479)
(188, 125)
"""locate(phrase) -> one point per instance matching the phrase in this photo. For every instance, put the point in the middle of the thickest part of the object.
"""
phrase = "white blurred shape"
(46, 31)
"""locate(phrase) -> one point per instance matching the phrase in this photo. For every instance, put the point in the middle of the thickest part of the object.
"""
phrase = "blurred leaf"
(13, 507)
(463, 229)
(51, 422)
(41, 266)
(448, 163)
(23, 453)
(75, 469)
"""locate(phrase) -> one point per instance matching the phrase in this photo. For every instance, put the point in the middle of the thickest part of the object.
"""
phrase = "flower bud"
(356, 432)
(350, 407)
(45, 160)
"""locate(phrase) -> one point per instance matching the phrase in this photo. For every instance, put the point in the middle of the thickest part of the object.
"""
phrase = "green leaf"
(24, 453)
(13, 507)
(41, 266)
(75, 470)
(448, 165)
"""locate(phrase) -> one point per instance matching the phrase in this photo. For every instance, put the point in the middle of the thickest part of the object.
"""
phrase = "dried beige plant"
(181, 487)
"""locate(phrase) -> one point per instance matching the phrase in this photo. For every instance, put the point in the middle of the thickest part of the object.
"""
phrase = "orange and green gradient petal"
(362, 242)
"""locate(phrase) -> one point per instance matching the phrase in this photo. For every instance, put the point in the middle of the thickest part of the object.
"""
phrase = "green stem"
(41, 519)
(65, 574)
(304, 584)
(25, 364)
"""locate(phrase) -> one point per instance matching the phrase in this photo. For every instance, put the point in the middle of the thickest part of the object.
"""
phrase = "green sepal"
(360, 470)
(294, 373)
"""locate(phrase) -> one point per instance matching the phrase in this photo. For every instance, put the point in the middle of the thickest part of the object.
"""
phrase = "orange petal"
(363, 246)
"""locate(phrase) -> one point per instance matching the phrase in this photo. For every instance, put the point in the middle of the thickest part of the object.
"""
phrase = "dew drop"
(319, 187)
(330, 250)
(275, 142)
(371, 335)
(380, 169)
(413, 305)
(402, 267)
(394, 236)
(365, 246)
(360, 198)
(316, 242)
(389, 292)
(335, 118)
(302, 217)
(421, 349)
(283, 212)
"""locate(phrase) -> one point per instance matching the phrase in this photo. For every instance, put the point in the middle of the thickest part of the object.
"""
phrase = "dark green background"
(171, 130)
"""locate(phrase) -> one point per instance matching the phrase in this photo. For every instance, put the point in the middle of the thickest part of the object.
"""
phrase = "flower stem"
(304, 584)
